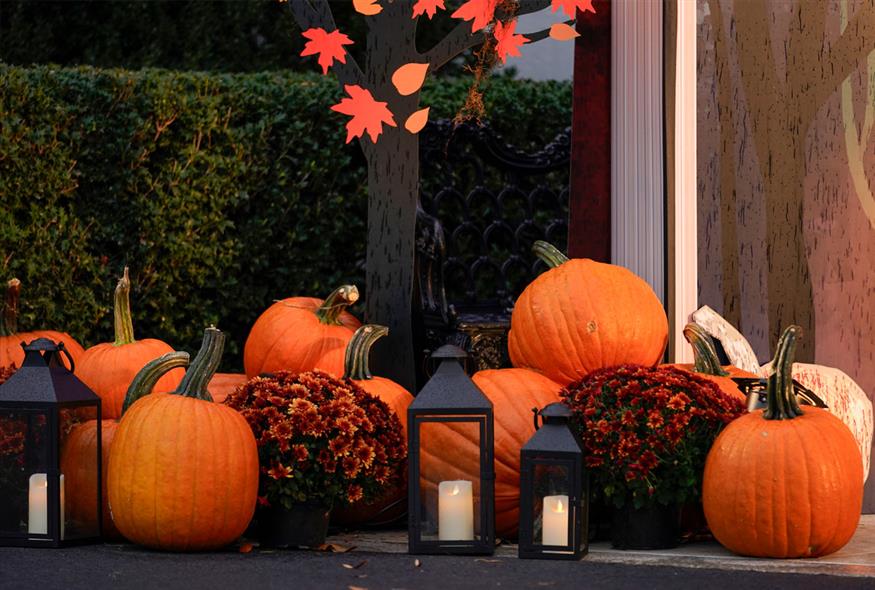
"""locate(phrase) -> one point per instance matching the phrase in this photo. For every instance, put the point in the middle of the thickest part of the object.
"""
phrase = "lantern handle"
(536, 413)
(62, 348)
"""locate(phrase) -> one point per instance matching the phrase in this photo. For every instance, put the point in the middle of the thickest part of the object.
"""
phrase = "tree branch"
(456, 41)
(530, 6)
(847, 53)
(544, 33)
(309, 15)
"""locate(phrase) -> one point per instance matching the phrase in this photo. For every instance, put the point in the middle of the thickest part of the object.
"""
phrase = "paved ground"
(125, 566)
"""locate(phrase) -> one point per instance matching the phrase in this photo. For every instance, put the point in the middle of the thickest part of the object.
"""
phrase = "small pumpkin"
(514, 394)
(11, 353)
(224, 384)
(583, 315)
(393, 505)
(80, 446)
(109, 368)
(183, 471)
(296, 333)
(784, 482)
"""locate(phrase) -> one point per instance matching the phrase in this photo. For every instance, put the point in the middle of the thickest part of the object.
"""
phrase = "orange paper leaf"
(417, 120)
(570, 7)
(368, 115)
(329, 46)
(507, 42)
(367, 7)
(428, 7)
(480, 11)
(563, 32)
(409, 78)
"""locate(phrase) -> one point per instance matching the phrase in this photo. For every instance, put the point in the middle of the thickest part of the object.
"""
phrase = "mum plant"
(647, 431)
(321, 440)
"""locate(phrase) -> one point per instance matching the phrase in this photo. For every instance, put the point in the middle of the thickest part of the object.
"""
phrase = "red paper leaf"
(571, 6)
(508, 43)
(428, 7)
(481, 11)
(329, 46)
(368, 115)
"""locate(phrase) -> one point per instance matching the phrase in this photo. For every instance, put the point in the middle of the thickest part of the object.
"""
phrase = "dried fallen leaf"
(246, 548)
(356, 588)
(408, 78)
(367, 7)
(333, 548)
(484, 560)
(350, 566)
(417, 563)
(563, 32)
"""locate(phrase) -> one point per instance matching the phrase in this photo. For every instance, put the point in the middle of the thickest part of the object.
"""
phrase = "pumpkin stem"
(704, 351)
(548, 253)
(9, 321)
(782, 404)
(335, 304)
(124, 326)
(355, 363)
(145, 380)
(204, 366)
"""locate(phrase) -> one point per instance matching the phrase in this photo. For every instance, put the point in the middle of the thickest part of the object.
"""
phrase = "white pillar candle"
(455, 511)
(38, 507)
(555, 520)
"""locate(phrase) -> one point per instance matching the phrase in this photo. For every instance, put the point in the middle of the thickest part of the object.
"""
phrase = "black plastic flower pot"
(302, 525)
(651, 527)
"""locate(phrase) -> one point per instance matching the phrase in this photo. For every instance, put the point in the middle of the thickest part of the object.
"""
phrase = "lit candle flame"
(559, 507)
(455, 491)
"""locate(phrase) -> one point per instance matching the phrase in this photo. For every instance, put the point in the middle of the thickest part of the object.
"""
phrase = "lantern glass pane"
(24, 444)
(551, 508)
(449, 482)
(79, 457)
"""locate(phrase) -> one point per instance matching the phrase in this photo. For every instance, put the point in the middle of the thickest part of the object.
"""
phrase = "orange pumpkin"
(296, 333)
(80, 446)
(393, 505)
(109, 368)
(707, 364)
(783, 482)
(514, 393)
(223, 384)
(11, 352)
(183, 472)
(583, 315)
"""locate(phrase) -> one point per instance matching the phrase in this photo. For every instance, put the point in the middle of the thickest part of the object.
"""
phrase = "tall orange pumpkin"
(514, 393)
(783, 482)
(183, 471)
(11, 352)
(80, 447)
(109, 368)
(393, 505)
(296, 333)
(583, 315)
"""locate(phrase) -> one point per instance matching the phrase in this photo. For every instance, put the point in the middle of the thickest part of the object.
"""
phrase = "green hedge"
(222, 192)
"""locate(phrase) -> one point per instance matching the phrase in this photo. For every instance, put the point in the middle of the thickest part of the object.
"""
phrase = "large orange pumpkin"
(11, 352)
(784, 482)
(583, 315)
(183, 472)
(80, 447)
(296, 333)
(707, 364)
(393, 505)
(109, 368)
(514, 393)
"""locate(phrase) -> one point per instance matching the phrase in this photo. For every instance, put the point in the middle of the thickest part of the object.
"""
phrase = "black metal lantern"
(40, 405)
(554, 490)
(451, 467)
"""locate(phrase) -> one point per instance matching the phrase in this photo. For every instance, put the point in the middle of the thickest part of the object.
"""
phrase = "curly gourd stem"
(704, 351)
(203, 367)
(548, 253)
(335, 304)
(782, 404)
(124, 325)
(9, 321)
(145, 380)
(355, 363)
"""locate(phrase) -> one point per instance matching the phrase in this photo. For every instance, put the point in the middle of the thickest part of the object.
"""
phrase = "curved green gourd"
(781, 399)
(336, 303)
(705, 356)
(548, 253)
(355, 363)
(145, 380)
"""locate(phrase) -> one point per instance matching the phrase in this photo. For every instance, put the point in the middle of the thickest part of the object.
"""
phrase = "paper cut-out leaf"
(409, 78)
(367, 7)
(429, 7)
(508, 43)
(563, 32)
(480, 11)
(417, 120)
(329, 46)
(571, 6)
(368, 115)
